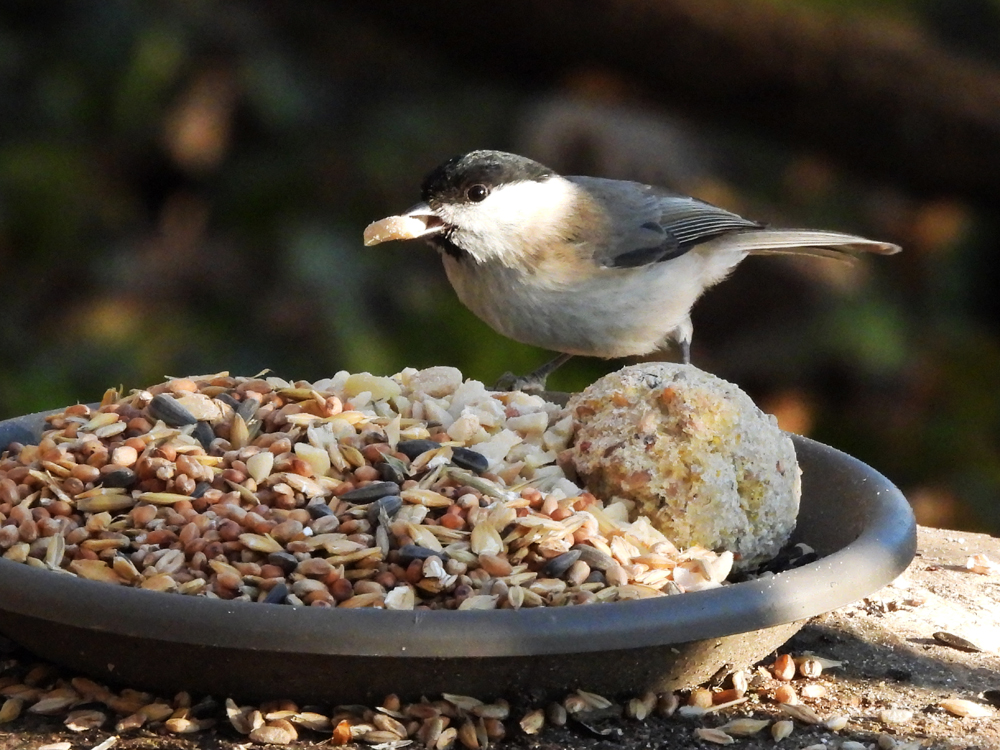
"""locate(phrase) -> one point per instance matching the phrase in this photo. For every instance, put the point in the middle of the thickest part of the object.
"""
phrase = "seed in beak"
(416, 222)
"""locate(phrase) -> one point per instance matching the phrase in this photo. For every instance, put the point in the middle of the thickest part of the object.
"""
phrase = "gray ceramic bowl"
(853, 516)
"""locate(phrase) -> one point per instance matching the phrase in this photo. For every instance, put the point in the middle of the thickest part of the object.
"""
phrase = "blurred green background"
(183, 188)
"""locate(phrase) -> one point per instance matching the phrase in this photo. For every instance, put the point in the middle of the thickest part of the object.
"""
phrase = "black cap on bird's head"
(471, 177)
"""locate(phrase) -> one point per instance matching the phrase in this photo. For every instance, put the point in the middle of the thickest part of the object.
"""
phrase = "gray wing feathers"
(695, 229)
(645, 219)
(691, 221)
(650, 225)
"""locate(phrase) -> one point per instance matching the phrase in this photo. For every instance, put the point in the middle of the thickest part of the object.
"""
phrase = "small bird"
(586, 265)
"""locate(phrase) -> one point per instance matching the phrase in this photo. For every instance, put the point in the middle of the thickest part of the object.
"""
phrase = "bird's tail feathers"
(820, 244)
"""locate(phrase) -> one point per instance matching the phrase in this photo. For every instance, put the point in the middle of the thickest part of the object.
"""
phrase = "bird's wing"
(650, 225)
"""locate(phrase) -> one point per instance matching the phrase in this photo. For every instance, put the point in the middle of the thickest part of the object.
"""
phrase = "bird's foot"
(533, 382)
(529, 383)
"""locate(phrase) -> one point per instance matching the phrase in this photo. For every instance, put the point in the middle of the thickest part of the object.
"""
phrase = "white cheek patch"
(515, 217)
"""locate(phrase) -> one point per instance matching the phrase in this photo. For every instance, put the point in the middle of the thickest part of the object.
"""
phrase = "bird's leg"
(683, 334)
(533, 382)
(685, 346)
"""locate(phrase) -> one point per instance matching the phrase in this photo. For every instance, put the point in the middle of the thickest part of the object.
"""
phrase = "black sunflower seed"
(466, 458)
(370, 493)
(172, 413)
(413, 448)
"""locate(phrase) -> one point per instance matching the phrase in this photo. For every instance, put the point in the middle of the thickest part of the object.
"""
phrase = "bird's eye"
(477, 193)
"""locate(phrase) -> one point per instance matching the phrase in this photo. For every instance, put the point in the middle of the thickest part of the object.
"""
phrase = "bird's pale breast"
(612, 313)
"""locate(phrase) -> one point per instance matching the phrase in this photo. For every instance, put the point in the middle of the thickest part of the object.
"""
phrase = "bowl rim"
(883, 549)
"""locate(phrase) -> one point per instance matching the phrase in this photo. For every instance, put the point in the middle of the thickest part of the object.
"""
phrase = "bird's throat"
(442, 243)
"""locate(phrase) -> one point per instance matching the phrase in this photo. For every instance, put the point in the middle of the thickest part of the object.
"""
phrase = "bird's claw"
(533, 382)
(530, 383)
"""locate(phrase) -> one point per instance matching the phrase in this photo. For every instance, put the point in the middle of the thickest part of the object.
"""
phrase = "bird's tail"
(805, 242)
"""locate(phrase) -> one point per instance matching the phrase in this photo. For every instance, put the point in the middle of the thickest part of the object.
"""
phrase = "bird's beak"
(425, 214)
(419, 221)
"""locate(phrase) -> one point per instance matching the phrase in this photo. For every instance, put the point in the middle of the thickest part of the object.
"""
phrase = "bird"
(586, 266)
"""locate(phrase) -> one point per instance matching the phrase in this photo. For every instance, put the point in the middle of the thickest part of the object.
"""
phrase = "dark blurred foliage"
(183, 187)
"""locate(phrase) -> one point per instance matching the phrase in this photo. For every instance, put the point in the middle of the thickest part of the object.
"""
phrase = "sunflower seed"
(410, 552)
(467, 458)
(370, 493)
(167, 409)
(956, 642)
(594, 557)
(391, 469)
(413, 448)
(120, 477)
(277, 594)
(557, 566)
(287, 562)
(389, 503)
(247, 409)
(204, 434)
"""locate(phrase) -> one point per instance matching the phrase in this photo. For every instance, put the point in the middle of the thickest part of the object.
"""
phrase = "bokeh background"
(183, 187)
